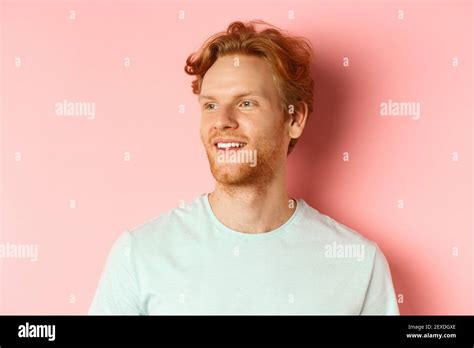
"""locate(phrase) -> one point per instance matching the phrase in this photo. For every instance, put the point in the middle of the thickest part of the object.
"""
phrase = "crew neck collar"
(300, 204)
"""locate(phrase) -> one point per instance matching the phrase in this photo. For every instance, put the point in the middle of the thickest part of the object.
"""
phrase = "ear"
(298, 120)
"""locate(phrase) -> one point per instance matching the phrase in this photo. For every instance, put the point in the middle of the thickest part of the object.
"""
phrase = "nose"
(225, 119)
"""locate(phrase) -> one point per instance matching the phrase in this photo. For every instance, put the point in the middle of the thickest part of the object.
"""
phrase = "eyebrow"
(240, 95)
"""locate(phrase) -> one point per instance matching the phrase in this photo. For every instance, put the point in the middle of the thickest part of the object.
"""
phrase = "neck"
(253, 209)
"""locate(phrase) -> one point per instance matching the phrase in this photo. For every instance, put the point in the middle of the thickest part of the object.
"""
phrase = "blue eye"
(208, 104)
(248, 101)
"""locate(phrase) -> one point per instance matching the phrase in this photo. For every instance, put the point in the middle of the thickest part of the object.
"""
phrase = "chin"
(232, 174)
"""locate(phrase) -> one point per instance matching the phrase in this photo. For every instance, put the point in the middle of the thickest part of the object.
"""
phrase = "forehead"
(234, 74)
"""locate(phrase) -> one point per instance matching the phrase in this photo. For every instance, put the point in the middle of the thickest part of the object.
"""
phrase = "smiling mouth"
(229, 146)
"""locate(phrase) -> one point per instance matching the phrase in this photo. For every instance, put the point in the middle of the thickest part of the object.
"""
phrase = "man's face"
(240, 104)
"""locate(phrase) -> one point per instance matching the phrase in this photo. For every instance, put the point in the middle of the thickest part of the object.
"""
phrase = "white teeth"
(229, 145)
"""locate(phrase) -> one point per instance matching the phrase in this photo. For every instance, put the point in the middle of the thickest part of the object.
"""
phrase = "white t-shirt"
(186, 261)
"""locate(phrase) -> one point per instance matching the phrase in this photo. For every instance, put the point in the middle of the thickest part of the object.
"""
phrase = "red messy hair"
(289, 56)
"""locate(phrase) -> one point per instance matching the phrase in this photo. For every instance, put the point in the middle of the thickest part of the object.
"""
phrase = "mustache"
(213, 138)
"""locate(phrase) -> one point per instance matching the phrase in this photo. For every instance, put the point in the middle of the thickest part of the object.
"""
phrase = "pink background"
(137, 111)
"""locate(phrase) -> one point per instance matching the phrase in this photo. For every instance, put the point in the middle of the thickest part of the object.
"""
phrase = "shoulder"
(169, 225)
(328, 231)
(337, 241)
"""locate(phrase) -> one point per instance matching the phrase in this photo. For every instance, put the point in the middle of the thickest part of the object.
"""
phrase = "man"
(246, 247)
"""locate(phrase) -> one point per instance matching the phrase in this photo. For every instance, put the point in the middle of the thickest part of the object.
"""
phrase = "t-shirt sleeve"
(117, 291)
(380, 298)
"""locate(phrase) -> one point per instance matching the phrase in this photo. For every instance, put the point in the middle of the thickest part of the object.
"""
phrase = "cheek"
(249, 129)
(268, 127)
(204, 126)
(203, 134)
